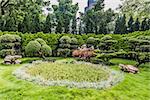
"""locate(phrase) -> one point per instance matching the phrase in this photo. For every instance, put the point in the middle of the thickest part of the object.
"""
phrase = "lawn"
(134, 87)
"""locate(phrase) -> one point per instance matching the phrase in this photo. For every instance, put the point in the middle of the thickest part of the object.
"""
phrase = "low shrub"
(38, 49)
(10, 45)
(63, 52)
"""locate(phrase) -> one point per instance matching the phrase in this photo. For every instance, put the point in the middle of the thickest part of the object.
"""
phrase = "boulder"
(12, 59)
(129, 68)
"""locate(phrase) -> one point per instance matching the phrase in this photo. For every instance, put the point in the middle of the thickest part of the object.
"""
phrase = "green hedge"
(53, 39)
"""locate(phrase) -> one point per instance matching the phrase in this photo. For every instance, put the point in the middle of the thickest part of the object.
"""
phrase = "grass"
(69, 72)
(134, 87)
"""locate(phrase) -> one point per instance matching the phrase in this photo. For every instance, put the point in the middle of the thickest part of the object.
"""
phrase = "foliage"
(65, 40)
(63, 52)
(136, 8)
(91, 41)
(64, 46)
(9, 45)
(32, 48)
(61, 71)
(38, 48)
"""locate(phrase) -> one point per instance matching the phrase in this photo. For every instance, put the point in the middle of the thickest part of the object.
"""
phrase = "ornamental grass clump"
(70, 72)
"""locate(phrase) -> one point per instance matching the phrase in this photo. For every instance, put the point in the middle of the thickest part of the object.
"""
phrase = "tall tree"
(64, 13)
(25, 26)
(136, 25)
(130, 24)
(144, 25)
(120, 27)
(136, 8)
(123, 26)
(48, 24)
(117, 26)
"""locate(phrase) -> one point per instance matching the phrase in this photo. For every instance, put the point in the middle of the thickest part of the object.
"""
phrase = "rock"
(12, 59)
(129, 68)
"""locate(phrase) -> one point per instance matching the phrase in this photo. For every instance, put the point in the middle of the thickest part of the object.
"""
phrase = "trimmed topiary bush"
(41, 41)
(46, 50)
(64, 46)
(10, 45)
(32, 48)
(74, 43)
(65, 40)
(91, 41)
(38, 48)
(64, 52)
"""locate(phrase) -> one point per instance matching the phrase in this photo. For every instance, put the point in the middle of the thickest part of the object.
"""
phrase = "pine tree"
(148, 23)
(136, 25)
(59, 27)
(74, 25)
(117, 26)
(36, 24)
(123, 28)
(144, 25)
(10, 25)
(48, 24)
(26, 24)
(130, 24)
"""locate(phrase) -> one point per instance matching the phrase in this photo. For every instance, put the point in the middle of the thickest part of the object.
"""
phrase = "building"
(90, 4)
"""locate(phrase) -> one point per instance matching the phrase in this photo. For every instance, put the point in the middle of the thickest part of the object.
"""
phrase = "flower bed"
(76, 74)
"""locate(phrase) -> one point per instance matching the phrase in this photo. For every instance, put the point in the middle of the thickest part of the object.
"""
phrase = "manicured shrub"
(107, 43)
(46, 50)
(74, 44)
(38, 48)
(10, 45)
(91, 41)
(63, 52)
(65, 40)
(41, 41)
(33, 48)
(64, 46)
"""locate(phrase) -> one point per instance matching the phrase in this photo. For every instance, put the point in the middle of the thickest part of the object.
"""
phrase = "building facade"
(90, 4)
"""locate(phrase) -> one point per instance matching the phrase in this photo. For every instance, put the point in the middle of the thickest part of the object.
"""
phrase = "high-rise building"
(90, 4)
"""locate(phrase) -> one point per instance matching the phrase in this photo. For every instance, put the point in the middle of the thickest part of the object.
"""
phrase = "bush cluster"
(38, 48)
(106, 43)
(10, 45)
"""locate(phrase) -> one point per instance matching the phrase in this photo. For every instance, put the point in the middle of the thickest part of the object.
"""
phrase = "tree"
(10, 24)
(120, 26)
(25, 25)
(136, 8)
(144, 25)
(35, 23)
(74, 25)
(149, 23)
(38, 48)
(130, 24)
(117, 26)
(64, 13)
(5, 6)
(97, 19)
(136, 25)
(123, 25)
(48, 24)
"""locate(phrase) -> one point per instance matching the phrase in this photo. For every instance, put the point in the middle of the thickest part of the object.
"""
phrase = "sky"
(83, 3)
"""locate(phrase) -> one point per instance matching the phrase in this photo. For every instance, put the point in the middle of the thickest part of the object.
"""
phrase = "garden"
(66, 66)
(53, 50)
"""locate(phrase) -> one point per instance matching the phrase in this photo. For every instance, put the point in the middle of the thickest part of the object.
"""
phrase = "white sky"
(83, 3)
